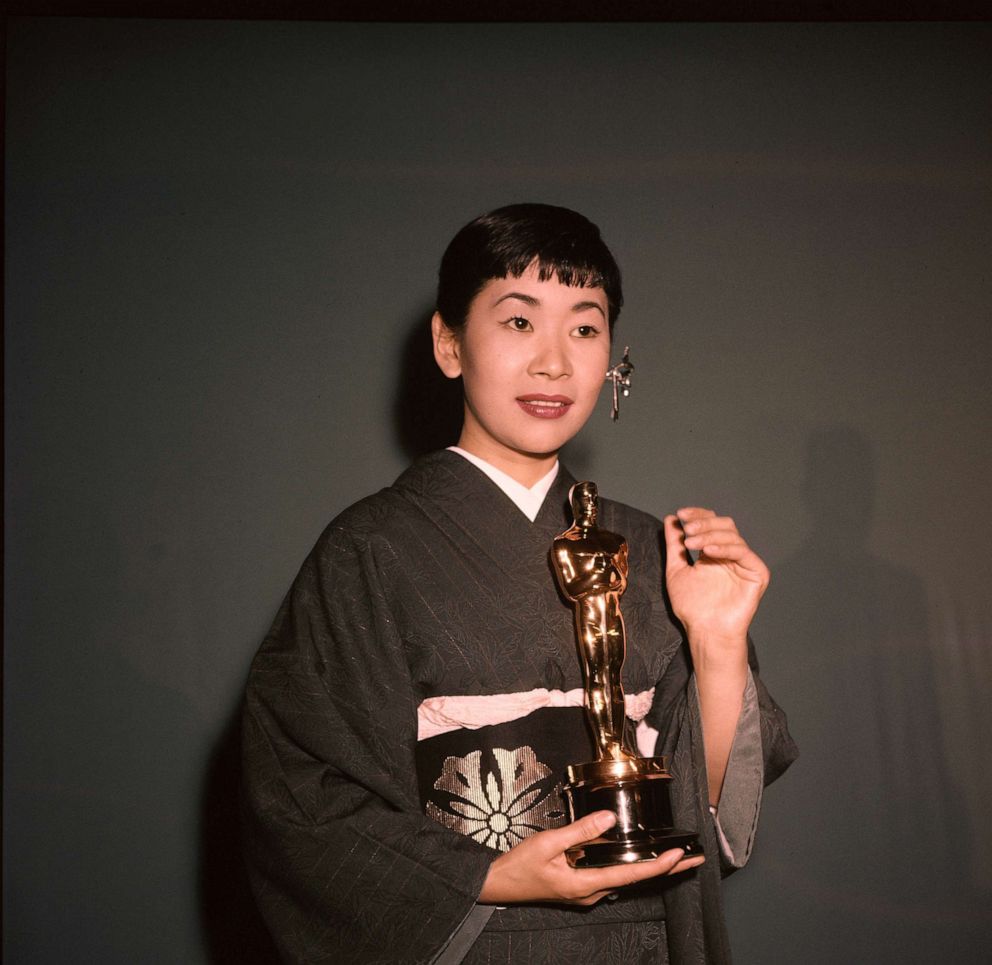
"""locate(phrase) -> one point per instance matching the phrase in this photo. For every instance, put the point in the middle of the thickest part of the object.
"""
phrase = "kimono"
(411, 713)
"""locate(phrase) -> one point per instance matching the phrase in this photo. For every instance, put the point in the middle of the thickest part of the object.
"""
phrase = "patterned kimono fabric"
(411, 714)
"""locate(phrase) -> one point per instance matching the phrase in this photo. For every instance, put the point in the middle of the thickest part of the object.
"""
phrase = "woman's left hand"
(715, 598)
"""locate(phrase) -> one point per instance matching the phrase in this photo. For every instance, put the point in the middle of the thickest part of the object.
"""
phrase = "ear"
(446, 348)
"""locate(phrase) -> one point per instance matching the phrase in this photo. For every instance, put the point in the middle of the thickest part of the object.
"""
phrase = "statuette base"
(636, 790)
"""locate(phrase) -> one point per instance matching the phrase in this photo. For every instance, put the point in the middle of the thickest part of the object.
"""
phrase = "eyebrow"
(536, 302)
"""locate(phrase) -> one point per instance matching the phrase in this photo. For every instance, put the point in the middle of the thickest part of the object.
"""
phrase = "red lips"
(544, 406)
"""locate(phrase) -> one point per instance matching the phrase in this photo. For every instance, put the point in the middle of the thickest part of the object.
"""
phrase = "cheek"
(482, 376)
(594, 372)
(487, 366)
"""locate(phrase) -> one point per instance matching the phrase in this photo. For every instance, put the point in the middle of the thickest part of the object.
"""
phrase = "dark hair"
(505, 242)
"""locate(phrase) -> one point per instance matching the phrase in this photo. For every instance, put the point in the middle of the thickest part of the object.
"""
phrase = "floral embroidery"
(498, 806)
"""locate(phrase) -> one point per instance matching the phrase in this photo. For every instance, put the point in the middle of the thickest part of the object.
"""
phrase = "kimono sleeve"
(694, 909)
(736, 818)
(762, 750)
(345, 865)
(778, 750)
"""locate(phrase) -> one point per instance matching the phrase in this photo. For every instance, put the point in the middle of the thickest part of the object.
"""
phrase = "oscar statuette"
(591, 566)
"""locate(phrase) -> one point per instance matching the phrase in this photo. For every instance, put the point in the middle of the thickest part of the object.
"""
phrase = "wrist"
(491, 887)
(718, 654)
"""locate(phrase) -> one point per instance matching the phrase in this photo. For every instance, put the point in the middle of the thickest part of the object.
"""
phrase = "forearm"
(720, 668)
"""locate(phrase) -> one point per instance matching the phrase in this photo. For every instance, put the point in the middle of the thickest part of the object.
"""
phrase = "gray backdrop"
(221, 247)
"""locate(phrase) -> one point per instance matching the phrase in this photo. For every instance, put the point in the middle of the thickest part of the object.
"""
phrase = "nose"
(551, 358)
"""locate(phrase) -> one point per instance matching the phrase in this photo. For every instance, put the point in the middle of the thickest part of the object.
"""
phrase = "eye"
(586, 331)
(519, 324)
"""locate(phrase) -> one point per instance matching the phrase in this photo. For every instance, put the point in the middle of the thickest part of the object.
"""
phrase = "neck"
(526, 468)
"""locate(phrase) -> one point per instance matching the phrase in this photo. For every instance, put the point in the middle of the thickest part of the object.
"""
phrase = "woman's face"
(532, 356)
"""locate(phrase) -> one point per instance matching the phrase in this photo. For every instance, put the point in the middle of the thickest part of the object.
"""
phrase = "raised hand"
(716, 599)
(719, 595)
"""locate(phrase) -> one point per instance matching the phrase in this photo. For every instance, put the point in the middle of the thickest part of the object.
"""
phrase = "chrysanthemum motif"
(500, 806)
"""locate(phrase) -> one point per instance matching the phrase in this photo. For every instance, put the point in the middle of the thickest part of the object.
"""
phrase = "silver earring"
(619, 375)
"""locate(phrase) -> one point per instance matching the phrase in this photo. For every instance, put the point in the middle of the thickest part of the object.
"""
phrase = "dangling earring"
(619, 375)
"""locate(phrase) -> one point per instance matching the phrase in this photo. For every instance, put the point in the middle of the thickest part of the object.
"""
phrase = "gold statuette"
(591, 566)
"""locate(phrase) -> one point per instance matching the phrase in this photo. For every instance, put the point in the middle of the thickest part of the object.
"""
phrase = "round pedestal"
(636, 791)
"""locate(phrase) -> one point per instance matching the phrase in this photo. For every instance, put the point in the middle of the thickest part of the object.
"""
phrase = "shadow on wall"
(878, 834)
(427, 410)
(427, 416)
(232, 926)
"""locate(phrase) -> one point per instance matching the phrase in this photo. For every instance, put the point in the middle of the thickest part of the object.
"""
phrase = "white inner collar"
(528, 501)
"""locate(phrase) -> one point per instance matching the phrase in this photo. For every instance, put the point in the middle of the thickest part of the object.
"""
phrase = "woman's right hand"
(536, 869)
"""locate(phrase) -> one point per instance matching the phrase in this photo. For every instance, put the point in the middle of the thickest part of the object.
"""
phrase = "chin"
(544, 444)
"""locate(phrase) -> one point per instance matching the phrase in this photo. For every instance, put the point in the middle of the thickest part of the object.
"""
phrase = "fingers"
(536, 870)
(676, 555)
(687, 513)
(704, 531)
(694, 526)
(595, 883)
(721, 546)
(687, 863)
(602, 882)
(585, 829)
(630, 874)
(717, 537)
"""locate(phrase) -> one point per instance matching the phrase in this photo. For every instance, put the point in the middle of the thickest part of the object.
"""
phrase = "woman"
(411, 713)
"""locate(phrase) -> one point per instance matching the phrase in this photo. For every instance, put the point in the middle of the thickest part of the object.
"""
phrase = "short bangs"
(506, 242)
